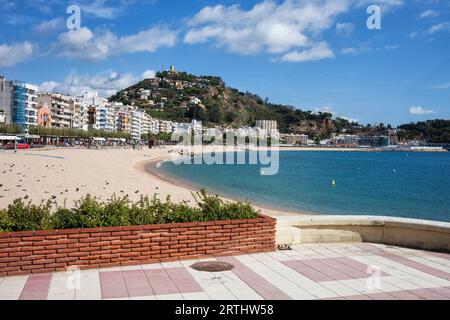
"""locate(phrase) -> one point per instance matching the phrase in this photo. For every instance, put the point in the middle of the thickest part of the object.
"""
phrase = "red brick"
(120, 233)
(78, 235)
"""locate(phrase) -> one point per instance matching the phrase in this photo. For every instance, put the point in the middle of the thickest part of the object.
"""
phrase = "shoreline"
(150, 167)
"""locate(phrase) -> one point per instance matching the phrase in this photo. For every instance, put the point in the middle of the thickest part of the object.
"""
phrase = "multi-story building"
(165, 126)
(299, 139)
(5, 101)
(80, 114)
(122, 117)
(267, 125)
(18, 102)
(137, 119)
(61, 107)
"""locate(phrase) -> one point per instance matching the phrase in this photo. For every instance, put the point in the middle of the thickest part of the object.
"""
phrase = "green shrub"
(5, 223)
(90, 212)
(29, 216)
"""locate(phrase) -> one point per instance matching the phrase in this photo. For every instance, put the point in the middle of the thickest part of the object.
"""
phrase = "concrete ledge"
(413, 233)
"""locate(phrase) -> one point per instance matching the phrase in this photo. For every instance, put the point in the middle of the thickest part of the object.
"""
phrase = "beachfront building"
(295, 139)
(123, 117)
(267, 125)
(18, 102)
(80, 114)
(137, 124)
(61, 110)
(362, 141)
(5, 101)
(165, 126)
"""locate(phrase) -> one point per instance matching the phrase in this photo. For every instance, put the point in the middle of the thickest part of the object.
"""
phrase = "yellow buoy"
(333, 183)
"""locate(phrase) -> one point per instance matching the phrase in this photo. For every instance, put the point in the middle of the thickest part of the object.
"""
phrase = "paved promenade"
(316, 271)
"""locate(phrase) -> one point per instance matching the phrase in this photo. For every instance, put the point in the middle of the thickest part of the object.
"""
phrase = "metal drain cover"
(212, 266)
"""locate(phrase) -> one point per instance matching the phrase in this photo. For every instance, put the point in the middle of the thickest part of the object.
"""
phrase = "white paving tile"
(398, 270)
(312, 287)
(174, 264)
(62, 286)
(238, 287)
(176, 296)
(151, 266)
(196, 296)
(130, 268)
(89, 288)
(431, 263)
(339, 288)
(212, 284)
(11, 287)
(276, 279)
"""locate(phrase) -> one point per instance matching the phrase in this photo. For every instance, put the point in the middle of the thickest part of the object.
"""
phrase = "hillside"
(181, 97)
(433, 131)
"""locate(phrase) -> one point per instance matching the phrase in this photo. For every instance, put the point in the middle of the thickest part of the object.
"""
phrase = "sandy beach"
(65, 175)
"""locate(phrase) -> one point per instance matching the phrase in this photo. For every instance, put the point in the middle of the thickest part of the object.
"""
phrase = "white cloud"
(344, 29)
(413, 34)
(428, 14)
(324, 109)
(48, 86)
(444, 26)
(385, 5)
(271, 27)
(48, 26)
(148, 74)
(420, 111)
(443, 86)
(100, 9)
(106, 83)
(89, 46)
(318, 52)
(10, 55)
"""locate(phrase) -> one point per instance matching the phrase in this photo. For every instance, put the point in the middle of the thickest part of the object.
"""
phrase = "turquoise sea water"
(415, 185)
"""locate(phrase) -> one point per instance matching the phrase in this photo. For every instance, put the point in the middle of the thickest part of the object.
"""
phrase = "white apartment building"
(18, 102)
(61, 108)
(165, 126)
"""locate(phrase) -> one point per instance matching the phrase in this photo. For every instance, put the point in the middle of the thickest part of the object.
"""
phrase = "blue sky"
(316, 55)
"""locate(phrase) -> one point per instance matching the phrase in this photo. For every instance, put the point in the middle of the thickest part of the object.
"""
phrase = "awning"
(9, 138)
(99, 139)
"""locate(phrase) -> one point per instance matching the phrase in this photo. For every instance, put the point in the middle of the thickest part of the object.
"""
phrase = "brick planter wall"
(46, 251)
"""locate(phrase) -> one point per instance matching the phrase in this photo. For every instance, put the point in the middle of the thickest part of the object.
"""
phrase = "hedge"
(90, 212)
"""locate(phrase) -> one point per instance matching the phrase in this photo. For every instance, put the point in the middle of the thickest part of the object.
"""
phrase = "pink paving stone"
(352, 273)
(161, 282)
(113, 285)
(307, 271)
(263, 287)
(358, 266)
(359, 297)
(417, 265)
(428, 294)
(404, 295)
(326, 269)
(137, 283)
(36, 287)
(445, 292)
(183, 280)
(382, 296)
(445, 256)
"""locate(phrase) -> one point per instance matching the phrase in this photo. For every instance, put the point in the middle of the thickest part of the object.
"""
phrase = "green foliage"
(90, 212)
(23, 216)
(434, 131)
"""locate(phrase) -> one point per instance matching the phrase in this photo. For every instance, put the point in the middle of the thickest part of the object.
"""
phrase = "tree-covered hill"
(433, 131)
(172, 96)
